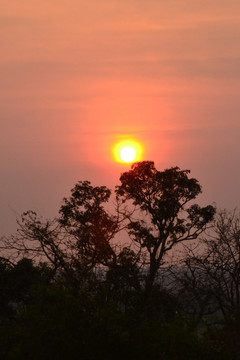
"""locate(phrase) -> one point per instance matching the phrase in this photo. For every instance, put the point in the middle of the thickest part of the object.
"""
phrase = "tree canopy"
(154, 207)
(95, 282)
(162, 197)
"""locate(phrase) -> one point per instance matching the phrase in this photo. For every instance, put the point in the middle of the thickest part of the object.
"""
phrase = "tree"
(212, 269)
(83, 217)
(98, 292)
(77, 241)
(161, 197)
(17, 282)
(82, 239)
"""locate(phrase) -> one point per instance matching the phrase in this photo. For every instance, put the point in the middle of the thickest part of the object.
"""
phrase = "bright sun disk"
(127, 151)
(128, 154)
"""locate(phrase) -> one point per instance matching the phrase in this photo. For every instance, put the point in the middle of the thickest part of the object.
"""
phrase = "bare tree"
(211, 275)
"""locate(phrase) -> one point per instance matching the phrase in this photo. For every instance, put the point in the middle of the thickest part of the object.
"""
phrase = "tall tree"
(165, 220)
(83, 236)
(76, 242)
(84, 217)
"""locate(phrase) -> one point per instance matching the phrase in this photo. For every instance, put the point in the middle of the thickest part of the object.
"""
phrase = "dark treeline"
(101, 281)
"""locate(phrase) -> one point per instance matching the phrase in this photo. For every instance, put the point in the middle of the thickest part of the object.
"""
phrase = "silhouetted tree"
(212, 269)
(83, 217)
(17, 281)
(97, 296)
(161, 197)
(82, 239)
(76, 242)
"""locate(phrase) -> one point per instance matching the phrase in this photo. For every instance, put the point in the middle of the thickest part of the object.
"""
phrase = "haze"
(78, 76)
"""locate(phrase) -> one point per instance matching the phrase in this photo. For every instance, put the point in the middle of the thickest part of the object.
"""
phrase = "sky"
(78, 76)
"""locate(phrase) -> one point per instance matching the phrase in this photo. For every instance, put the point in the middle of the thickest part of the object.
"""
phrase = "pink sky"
(77, 76)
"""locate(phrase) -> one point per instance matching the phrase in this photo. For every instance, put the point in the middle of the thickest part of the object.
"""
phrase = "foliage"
(72, 288)
(224, 340)
(82, 240)
(55, 325)
(17, 282)
(84, 217)
(162, 197)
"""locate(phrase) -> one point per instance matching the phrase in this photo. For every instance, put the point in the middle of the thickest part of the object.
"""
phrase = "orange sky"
(77, 76)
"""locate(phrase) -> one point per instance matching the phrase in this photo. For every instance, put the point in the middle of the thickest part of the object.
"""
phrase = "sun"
(127, 151)
(128, 154)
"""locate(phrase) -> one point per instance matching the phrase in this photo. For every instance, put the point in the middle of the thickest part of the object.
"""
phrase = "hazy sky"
(76, 76)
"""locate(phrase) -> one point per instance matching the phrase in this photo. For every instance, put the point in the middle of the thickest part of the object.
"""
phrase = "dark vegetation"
(97, 285)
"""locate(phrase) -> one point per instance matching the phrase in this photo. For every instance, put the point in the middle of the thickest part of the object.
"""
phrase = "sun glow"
(127, 151)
